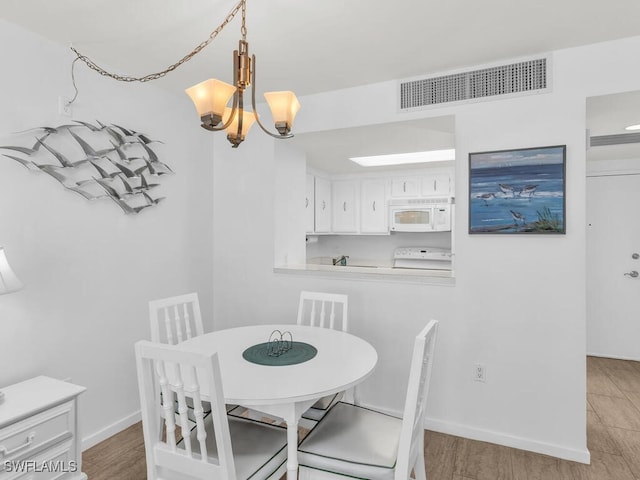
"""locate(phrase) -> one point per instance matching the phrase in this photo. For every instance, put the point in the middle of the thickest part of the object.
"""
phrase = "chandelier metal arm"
(253, 105)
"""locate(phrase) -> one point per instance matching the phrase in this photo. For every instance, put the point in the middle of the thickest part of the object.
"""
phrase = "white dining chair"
(356, 442)
(175, 319)
(326, 310)
(218, 446)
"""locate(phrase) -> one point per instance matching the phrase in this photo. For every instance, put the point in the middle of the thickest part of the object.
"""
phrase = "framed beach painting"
(518, 191)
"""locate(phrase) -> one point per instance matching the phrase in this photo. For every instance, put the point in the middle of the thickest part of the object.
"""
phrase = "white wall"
(519, 302)
(88, 268)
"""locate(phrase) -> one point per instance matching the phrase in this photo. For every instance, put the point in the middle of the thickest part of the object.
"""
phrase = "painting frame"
(520, 191)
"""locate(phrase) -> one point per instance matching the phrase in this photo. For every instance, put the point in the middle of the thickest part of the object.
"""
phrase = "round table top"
(342, 361)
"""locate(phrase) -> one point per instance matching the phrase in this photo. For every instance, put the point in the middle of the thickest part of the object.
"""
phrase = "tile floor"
(613, 437)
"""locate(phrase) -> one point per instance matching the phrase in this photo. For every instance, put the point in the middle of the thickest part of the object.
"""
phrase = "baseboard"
(614, 357)
(458, 430)
(450, 428)
(110, 430)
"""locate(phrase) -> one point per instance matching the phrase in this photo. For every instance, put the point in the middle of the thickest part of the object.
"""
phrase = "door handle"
(374, 205)
(632, 274)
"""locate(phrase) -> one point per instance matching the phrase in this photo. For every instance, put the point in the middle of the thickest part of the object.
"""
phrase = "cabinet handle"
(374, 205)
(323, 204)
(306, 203)
(344, 206)
(27, 444)
(404, 186)
(434, 186)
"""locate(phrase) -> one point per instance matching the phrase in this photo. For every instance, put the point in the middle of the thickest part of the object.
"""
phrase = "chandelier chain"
(243, 29)
(154, 76)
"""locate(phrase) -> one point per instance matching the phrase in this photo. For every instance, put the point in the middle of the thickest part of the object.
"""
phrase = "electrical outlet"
(64, 106)
(479, 373)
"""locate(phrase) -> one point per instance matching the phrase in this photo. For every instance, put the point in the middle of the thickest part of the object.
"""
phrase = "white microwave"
(420, 214)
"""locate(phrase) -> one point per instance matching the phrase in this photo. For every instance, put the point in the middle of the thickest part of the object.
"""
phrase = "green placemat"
(300, 352)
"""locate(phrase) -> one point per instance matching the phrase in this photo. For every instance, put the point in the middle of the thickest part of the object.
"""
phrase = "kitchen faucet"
(342, 261)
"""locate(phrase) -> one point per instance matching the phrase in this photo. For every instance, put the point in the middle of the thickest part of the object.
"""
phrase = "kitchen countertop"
(409, 275)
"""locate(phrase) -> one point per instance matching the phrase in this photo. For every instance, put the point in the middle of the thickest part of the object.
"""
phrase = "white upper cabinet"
(405, 186)
(309, 204)
(345, 206)
(322, 205)
(436, 184)
(373, 206)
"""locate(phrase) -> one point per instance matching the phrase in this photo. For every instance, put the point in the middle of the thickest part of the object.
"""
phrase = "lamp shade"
(248, 119)
(284, 106)
(211, 96)
(9, 282)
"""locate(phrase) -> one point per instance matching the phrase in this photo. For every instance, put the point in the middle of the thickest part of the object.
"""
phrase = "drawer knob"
(26, 444)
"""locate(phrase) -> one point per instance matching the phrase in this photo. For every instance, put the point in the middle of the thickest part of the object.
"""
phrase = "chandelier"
(212, 96)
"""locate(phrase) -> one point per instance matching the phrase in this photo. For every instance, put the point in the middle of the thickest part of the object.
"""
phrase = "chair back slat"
(175, 319)
(181, 376)
(412, 432)
(323, 310)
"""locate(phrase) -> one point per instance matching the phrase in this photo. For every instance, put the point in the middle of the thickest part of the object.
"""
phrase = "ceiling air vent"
(616, 139)
(515, 78)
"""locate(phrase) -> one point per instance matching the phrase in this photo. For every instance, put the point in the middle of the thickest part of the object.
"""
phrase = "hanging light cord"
(154, 76)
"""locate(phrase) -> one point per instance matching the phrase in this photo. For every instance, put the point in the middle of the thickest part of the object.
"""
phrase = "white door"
(613, 289)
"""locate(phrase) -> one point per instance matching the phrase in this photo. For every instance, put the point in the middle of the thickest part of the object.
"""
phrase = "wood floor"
(613, 438)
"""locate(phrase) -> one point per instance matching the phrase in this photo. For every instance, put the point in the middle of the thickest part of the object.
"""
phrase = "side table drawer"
(27, 437)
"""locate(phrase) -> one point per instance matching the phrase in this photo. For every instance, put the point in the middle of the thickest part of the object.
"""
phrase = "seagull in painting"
(486, 197)
(507, 189)
(518, 217)
(528, 190)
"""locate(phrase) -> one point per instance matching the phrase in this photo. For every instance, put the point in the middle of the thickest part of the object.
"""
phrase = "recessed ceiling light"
(405, 158)
(633, 127)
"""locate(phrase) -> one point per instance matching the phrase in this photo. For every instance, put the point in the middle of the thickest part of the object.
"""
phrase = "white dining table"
(342, 361)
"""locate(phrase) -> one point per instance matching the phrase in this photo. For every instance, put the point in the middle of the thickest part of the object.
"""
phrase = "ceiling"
(311, 47)
(329, 150)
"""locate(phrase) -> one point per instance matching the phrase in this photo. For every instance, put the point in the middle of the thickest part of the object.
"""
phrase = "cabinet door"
(322, 205)
(345, 208)
(309, 205)
(373, 207)
(405, 186)
(436, 184)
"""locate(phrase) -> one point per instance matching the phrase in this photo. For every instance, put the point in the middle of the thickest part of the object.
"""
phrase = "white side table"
(39, 431)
